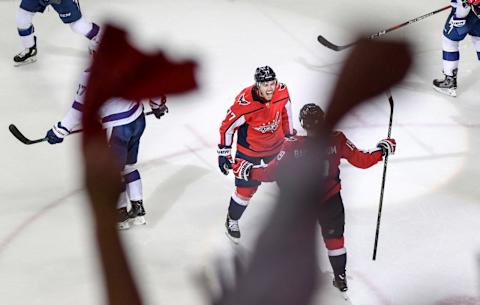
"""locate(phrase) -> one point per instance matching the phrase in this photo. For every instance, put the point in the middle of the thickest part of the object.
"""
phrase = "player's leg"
(239, 200)
(331, 216)
(118, 138)
(453, 32)
(132, 176)
(24, 17)
(69, 12)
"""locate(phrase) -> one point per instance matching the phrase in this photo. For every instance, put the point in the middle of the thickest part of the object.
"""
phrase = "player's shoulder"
(338, 136)
(281, 86)
(282, 89)
(244, 101)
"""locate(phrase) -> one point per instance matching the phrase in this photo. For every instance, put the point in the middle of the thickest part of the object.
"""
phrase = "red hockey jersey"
(339, 147)
(260, 125)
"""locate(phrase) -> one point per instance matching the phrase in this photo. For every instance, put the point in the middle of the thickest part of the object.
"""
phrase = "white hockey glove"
(387, 146)
(241, 169)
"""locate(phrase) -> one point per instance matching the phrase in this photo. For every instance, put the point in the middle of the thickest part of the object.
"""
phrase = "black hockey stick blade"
(17, 134)
(330, 45)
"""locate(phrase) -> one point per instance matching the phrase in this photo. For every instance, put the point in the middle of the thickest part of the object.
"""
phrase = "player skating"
(261, 117)
(463, 19)
(124, 122)
(68, 11)
(331, 214)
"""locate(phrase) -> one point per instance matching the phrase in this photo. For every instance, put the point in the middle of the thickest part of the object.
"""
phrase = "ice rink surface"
(429, 243)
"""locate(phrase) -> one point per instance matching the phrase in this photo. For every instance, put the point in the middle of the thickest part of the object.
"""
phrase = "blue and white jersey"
(114, 112)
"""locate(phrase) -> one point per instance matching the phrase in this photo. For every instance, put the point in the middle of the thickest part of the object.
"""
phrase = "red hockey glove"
(224, 158)
(241, 169)
(388, 146)
(473, 2)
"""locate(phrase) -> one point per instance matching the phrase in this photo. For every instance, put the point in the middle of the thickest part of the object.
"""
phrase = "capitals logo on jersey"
(242, 101)
(270, 126)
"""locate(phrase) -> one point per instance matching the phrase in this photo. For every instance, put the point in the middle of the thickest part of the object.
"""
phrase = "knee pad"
(242, 195)
(24, 19)
(449, 45)
(450, 49)
(81, 26)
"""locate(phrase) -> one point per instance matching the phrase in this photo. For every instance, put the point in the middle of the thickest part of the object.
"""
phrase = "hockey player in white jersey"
(124, 122)
(463, 19)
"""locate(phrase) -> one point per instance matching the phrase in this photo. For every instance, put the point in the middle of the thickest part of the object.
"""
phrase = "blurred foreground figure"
(331, 213)
(121, 71)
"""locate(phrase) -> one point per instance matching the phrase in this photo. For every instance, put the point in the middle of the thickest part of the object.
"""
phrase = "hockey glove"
(56, 134)
(159, 107)
(293, 134)
(241, 169)
(224, 158)
(387, 146)
(473, 2)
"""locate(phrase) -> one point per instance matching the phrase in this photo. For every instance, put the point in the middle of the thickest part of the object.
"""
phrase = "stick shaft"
(335, 47)
(384, 176)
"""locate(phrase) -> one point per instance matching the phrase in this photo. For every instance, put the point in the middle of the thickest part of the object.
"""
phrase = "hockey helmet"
(264, 74)
(311, 116)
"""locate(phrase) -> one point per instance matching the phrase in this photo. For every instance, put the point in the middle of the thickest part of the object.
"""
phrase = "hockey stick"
(17, 134)
(337, 48)
(379, 216)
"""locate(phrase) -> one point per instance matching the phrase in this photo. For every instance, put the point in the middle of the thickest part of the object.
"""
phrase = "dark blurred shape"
(371, 68)
(119, 70)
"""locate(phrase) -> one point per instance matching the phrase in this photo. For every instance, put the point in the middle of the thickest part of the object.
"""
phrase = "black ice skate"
(232, 230)
(27, 56)
(137, 213)
(122, 219)
(340, 281)
(448, 85)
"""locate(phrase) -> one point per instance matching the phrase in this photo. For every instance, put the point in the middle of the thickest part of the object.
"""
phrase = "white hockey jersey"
(115, 111)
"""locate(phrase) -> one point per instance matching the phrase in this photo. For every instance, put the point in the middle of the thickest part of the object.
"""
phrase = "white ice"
(429, 240)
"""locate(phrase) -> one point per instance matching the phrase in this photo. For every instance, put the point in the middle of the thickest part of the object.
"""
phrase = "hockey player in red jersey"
(261, 117)
(331, 214)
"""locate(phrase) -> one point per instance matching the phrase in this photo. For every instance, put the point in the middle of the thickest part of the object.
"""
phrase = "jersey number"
(231, 114)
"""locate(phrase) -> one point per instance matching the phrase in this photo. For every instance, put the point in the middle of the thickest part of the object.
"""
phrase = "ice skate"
(232, 230)
(137, 213)
(27, 56)
(448, 85)
(340, 281)
(122, 219)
